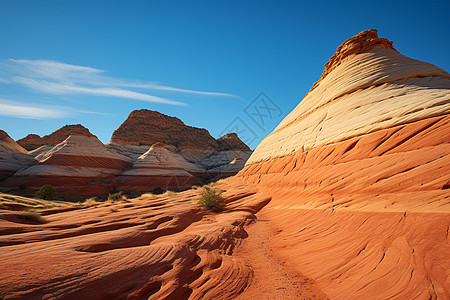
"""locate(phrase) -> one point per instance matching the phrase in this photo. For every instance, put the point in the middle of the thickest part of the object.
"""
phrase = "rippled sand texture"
(152, 247)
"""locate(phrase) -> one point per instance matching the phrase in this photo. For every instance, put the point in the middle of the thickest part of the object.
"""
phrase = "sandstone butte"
(348, 198)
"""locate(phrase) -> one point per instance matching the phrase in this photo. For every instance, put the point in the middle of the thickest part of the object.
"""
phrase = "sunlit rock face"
(79, 165)
(359, 172)
(179, 155)
(34, 141)
(159, 167)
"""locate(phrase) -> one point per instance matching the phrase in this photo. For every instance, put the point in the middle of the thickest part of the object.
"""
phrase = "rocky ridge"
(34, 141)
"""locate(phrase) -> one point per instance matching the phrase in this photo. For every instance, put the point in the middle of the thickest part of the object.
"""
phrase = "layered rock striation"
(148, 150)
(202, 157)
(78, 166)
(160, 167)
(12, 156)
(359, 173)
(34, 141)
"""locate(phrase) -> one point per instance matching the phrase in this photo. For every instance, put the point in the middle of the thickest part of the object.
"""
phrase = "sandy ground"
(272, 278)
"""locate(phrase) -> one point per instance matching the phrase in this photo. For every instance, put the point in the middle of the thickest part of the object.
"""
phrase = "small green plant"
(32, 217)
(157, 191)
(46, 192)
(212, 199)
(115, 196)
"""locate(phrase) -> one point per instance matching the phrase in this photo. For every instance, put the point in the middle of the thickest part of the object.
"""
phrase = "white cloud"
(68, 89)
(9, 108)
(154, 86)
(29, 111)
(54, 77)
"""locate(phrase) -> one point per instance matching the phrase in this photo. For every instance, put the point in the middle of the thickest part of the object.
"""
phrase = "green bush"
(47, 192)
(212, 199)
(157, 191)
(115, 196)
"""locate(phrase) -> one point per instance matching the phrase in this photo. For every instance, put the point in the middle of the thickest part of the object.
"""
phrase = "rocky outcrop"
(78, 166)
(359, 176)
(212, 158)
(34, 141)
(231, 141)
(159, 167)
(12, 156)
(147, 127)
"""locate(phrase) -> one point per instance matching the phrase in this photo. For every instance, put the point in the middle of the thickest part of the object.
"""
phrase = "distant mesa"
(34, 141)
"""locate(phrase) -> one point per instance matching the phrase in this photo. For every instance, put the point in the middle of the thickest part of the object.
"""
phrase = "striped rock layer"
(79, 165)
(152, 247)
(159, 167)
(359, 172)
(12, 156)
(34, 141)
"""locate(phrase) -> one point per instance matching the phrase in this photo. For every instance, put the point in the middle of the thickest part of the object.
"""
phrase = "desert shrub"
(212, 199)
(157, 191)
(116, 196)
(32, 217)
(46, 192)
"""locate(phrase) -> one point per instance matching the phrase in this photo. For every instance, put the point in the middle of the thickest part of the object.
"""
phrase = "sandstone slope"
(12, 156)
(152, 247)
(359, 174)
(34, 141)
(79, 165)
(159, 167)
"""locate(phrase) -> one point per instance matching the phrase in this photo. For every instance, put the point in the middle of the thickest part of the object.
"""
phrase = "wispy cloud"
(52, 77)
(29, 111)
(15, 109)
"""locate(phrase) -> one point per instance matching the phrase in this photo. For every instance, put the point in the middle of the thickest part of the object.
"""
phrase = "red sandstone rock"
(231, 141)
(147, 127)
(33, 141)
(152, 247)
(359, 43)
(12, 156)
(359, 177)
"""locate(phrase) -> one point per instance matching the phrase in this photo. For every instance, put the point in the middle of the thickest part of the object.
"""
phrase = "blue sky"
(93, 62)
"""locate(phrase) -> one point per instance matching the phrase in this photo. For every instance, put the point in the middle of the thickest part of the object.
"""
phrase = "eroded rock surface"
(152, 247)
(34, 141)
(359, 174)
